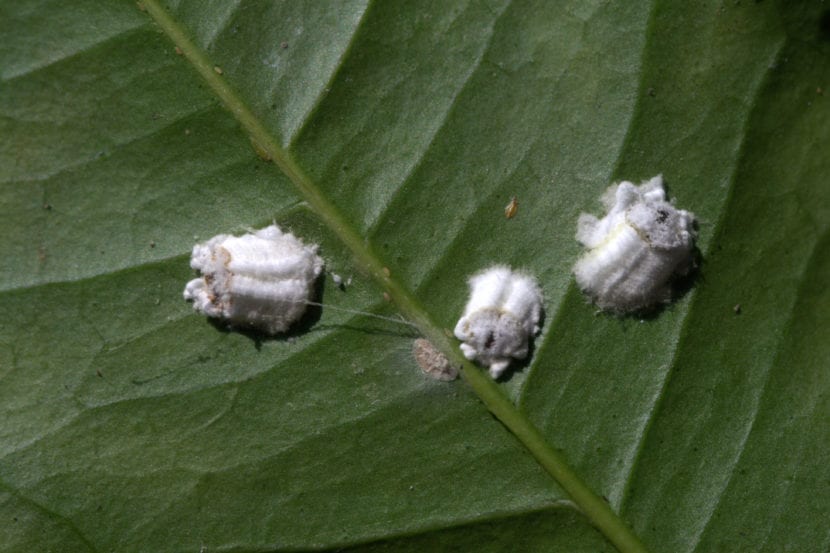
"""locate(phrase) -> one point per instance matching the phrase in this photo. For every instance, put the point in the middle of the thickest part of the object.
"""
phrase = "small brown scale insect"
(511, 208)
(432, 361)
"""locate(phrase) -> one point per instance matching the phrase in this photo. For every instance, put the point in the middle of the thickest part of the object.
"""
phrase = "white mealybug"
(501, 316)
(636, 249)
(261, 280)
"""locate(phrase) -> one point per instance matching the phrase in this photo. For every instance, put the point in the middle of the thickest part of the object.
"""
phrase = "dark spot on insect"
(491, 339)
(737, 309)
(651, 92)
(152, 244)
(99, 373)
(662, 215)
(283, 45)
(47, 207)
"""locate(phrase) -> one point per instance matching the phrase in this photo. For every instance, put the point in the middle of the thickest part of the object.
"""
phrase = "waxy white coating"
(260, 280)
(636, 249)
(501, 316)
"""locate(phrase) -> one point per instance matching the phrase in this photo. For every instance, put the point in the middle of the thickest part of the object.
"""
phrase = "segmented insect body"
(259, 280)
(500, 318)
(636, 249)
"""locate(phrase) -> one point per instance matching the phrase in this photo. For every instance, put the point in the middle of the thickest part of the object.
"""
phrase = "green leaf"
(130, 423)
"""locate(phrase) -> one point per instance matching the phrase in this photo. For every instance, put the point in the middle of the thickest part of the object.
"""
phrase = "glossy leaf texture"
(128, 422)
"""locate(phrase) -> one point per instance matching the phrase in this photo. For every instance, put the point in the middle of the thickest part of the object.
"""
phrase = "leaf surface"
(130, 423)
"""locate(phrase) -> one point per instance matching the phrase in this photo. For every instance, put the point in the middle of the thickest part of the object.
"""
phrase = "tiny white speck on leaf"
(636, 249)
(261, 280)
(500, 318)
